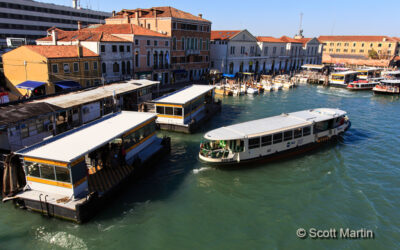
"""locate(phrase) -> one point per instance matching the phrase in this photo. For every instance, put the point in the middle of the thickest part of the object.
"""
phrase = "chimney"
(75, 4)
(201, 15)
(155, 19)
(80, 49)
(79, 25)
(113, 13)
(54, 36)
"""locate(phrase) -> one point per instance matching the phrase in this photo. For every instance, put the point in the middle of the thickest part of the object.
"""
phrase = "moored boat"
(363, 84)
(273, 137)
(391, 87)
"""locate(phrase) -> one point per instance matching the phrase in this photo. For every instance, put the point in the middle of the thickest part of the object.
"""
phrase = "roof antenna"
(300, 35)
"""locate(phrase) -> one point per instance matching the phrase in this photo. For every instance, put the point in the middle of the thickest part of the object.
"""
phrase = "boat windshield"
(220, 148)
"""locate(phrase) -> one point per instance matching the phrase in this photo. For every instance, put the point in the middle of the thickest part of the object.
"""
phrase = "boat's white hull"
(279, 149)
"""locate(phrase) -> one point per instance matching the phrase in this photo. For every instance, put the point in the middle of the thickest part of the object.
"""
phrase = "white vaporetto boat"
(273, 137)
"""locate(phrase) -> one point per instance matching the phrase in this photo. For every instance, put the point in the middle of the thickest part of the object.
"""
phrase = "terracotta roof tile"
(223, 34)
(356, 38)
(269, 39)
(123, 29)
(289, 39)
(165, 11)
(60, 51)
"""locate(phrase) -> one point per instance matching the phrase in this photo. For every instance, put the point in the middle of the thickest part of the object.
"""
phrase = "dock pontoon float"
(71, 175)
(184, 110)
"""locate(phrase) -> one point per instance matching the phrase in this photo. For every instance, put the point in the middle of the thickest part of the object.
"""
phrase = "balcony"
(192, 52)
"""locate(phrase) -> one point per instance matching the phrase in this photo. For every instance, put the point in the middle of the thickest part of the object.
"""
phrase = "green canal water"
(186, 205)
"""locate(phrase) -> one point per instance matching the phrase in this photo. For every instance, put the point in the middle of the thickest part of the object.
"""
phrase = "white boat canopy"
(273, 124)
(313, 66)
(394, 72)
(75, 143)
(91, 95)
(346, 73)
(184, 95)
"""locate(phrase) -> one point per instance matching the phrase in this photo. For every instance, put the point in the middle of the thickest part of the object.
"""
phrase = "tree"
(373, 54)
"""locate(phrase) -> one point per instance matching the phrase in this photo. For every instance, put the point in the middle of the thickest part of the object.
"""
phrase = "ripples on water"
(186, 204)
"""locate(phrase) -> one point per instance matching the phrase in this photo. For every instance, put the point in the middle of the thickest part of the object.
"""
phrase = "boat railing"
(215, 153)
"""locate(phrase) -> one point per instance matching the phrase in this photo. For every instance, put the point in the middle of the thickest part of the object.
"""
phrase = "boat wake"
(60, 239)
(198, 170)
(342, 93)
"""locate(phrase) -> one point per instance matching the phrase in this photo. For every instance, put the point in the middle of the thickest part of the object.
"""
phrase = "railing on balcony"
(192, 52)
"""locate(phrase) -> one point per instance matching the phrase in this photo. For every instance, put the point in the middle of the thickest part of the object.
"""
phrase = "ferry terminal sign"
(333, 233)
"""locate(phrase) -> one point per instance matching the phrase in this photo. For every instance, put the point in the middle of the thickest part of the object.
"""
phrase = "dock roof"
(184, 95)
(73, 144)
(92, 95)
(24, 111)
(273, 124)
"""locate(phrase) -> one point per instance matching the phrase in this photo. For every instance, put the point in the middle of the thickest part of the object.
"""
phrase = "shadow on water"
(355, 136)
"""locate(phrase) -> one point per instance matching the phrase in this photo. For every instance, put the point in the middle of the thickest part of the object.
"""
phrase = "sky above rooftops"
(277, 18)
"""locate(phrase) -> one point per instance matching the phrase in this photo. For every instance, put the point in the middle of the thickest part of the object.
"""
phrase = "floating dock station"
(186, 109)
(24, 124)
(71, 175)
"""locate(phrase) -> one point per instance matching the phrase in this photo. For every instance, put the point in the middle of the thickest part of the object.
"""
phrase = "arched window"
(231, 68)
(166, 57)
(137, 59)
(192, 43)
(195, 44)
(155, 60)
(115, 67)
(148, 58)
(174, 43)
(161, 56)
(128, 67)
(183, 43)
(104, 68)
(188, 43)
(123, 68)
(201, 44)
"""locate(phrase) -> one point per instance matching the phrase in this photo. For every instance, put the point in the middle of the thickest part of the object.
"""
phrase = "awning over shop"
(228, 75)
(68, 84)
(180, 71)
(30, 85)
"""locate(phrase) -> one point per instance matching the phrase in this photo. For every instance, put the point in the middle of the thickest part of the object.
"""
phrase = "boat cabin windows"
(169, 110)
(266, 140)
(297, 133)
(288, 135)
(236, 145)
(138, 135)
(306, 131)
(48, 172)
(323, 125)
(254, 142)
(175, 111)
(338, 77)
(277, 138)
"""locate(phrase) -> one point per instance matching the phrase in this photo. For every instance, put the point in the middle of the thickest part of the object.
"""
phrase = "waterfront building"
(234, 51)
(189, 34)
(35, 70)
(25, 124)
(30, 20)
(186, 109)
(384, 46)
(274, 54)
(126, 50)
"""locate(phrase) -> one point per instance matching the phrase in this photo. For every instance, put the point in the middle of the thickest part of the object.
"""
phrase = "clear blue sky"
(277, 17)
